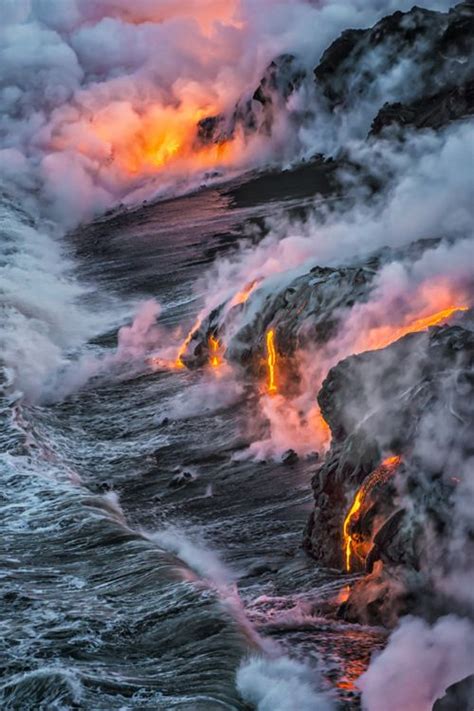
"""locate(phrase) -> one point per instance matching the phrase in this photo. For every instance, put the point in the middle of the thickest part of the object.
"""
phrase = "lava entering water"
(381, 474)
(214, 351)
(357, 503)
(271, 361)
(182, 349)
(242, 296)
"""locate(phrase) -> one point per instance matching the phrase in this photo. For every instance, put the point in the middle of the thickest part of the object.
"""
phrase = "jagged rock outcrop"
(282, 77)
(389, 401)
(436, 49)
(302, 310)
(414, 69)
(458, 696)
(448, 105)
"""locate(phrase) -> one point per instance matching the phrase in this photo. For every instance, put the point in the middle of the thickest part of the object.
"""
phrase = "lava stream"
(214, 351)
(271, 362)
(382, 336)
(182, 349)
(242, 296)
(381, 474)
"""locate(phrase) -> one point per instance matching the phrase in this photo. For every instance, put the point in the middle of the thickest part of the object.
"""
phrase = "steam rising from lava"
(407, 295)
(102, 97)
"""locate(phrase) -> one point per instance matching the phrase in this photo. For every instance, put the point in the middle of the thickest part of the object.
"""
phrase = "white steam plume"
(280, 684)
(419, 663)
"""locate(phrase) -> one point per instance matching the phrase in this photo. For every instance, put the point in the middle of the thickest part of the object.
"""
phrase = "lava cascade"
(378, 477)
(271, 362)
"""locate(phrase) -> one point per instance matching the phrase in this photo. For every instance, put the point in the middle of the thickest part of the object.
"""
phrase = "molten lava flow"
(343, 594)
(159, 138)
(347, 537)
(242, 296)
(271, 361)
(182, 349)
(379, 476)
(214, 351)
(392, 461)
(382, 336)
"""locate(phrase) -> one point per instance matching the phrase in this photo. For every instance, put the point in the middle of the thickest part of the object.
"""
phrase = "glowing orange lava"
(133, 141)
(381, 474)
(182, 349)
(271, 361)
(214, 351)
(392, 461)
(242, 296)
(382, 336)
(347, 537)
(343, 594)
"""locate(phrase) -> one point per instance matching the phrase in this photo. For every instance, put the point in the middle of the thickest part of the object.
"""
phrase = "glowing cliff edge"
(379, 476)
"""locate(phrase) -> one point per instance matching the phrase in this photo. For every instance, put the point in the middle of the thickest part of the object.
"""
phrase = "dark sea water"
(118, 590)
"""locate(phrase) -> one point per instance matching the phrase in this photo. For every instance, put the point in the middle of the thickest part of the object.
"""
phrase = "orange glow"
(163, 134)
(182, 349)
(206, 13)
(214, 351)
(379, 476)
(271, 362)
(343, 594)
(353, 665)
(319, 427)
(155, 139)
(392, 461)
(242, 296)
(382, 336)
(357, 503)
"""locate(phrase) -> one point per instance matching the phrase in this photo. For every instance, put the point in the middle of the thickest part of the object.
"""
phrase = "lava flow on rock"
(355, 545)
(271, 362)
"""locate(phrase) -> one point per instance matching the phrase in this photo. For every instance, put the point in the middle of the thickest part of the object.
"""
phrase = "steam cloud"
(280, 684)
(100, 100)
(418, 665)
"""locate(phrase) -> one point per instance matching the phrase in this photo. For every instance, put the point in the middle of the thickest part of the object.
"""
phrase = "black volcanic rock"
(375, 403)
(438, 47)
(459, 697)
(305, 310)
(434, 111)
(283, 76)
(290, 457)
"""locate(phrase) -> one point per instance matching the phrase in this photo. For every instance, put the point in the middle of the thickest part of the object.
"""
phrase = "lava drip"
(215, 357)
(242, 296)
(378, 477)
(382, 336)
(271, 362)
(182, 349)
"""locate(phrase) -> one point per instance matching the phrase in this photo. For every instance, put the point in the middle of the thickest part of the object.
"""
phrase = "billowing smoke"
(418, 665)
(280, 684)
(100, 100)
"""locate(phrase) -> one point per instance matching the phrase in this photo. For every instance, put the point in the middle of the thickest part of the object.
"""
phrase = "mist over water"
(152, 520)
